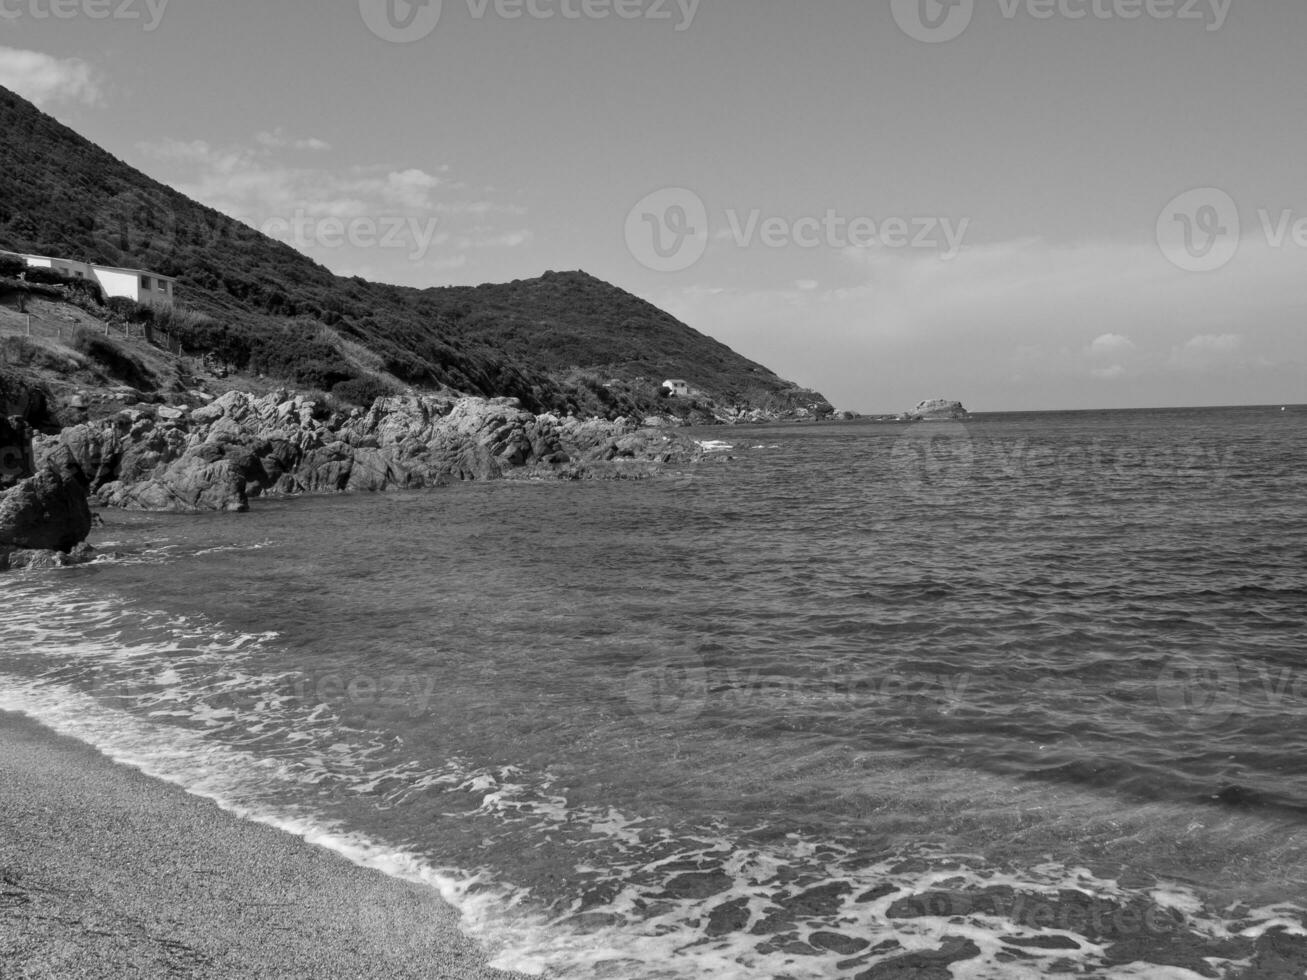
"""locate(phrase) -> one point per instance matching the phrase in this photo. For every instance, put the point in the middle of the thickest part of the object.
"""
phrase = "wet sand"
(105, 872)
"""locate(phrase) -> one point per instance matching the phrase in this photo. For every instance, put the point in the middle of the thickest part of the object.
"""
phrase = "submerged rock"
(20, 559)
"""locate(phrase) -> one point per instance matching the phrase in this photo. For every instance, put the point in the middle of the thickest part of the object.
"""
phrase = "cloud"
(1111, 343)
(1207, 352)
(251, 185)
(1109, 373)
(277, 140)
(1004, 324)
(508, 239)
(402, 224)
(411, 188)
(43, 79)
(1226, 343)
(806, 285)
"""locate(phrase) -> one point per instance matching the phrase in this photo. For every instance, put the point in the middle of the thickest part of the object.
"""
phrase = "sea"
(1019, 696)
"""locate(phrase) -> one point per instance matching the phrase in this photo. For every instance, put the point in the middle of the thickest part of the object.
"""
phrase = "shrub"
(130, 310)
(11, 268)
(362, 391)
(119, 363)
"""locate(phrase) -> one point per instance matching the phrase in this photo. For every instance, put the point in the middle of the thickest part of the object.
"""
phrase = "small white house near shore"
(678, 388)
(138, 285)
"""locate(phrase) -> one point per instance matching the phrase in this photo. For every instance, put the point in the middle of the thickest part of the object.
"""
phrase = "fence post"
(29, 324)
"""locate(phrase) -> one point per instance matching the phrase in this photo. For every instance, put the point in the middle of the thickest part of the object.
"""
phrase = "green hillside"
(553, 342)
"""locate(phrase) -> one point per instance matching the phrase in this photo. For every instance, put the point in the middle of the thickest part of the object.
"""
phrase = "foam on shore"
(105, 872)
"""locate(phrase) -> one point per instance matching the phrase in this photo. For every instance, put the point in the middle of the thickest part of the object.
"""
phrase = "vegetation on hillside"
(565, 341)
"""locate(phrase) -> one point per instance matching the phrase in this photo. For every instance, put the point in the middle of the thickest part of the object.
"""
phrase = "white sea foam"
(184, 700)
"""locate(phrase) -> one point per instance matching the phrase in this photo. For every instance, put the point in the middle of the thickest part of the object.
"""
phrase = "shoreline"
(107, 872)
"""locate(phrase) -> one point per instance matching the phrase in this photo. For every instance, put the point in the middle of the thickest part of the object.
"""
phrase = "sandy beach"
(105, 872)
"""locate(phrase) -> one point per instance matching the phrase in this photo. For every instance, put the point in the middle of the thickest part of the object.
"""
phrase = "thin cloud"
(1005, 324)
(1111, 343)
(278, 140)
(43, 79)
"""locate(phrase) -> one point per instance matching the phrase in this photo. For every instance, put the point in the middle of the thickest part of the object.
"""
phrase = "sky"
(1018, 204)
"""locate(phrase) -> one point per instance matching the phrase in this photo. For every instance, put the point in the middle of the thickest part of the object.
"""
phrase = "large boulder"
(46, 512)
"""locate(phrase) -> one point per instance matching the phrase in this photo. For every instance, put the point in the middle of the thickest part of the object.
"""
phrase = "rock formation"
(241, 446)
(937, 409)
(44, 516)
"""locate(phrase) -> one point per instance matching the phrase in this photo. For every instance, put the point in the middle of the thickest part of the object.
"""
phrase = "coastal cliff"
(215, 458)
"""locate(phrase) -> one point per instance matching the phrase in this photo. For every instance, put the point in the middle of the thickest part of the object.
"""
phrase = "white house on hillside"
(679, 389)
(134, 284)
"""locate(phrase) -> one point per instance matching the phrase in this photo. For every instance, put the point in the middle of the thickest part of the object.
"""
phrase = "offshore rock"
(240, 446)
(46, 512)
(936, 410)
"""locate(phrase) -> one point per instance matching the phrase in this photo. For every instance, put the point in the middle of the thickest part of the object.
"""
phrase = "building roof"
(139, 272)
(93, 265)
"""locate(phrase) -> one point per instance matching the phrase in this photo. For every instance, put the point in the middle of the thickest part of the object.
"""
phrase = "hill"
(563, 342)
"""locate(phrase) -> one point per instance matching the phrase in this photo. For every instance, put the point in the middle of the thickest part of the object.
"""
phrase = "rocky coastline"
(219, 456)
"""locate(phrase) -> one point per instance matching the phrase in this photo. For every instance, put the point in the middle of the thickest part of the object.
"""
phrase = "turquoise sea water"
(732, 722)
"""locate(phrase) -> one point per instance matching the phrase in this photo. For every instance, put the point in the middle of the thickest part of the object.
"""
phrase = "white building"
(137, 285)
(679, 389)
